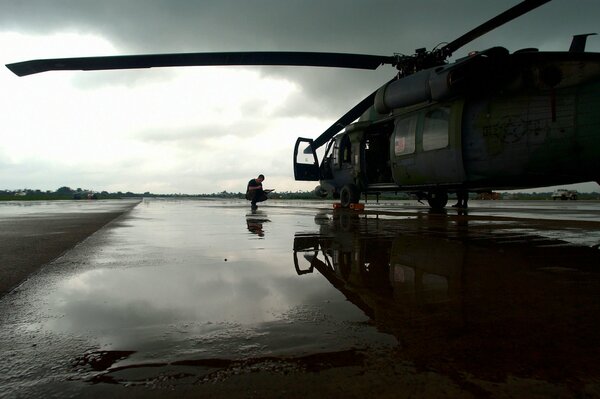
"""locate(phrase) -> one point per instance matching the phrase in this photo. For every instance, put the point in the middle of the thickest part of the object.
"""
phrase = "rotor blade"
(339, 60)
(345, 120)
(508, 15)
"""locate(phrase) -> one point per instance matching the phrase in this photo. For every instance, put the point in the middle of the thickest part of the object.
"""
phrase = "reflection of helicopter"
(492, 120)
(490, 307)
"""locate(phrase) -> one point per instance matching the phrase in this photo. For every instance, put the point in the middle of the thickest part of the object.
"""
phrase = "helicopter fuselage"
(487, 122)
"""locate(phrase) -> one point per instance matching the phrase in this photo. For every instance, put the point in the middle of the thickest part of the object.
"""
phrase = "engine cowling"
(441, 82)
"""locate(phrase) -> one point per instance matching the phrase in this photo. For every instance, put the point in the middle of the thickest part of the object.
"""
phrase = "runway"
(205, 298)
(33, 233)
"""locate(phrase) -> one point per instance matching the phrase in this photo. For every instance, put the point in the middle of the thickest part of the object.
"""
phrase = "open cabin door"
(306, 164)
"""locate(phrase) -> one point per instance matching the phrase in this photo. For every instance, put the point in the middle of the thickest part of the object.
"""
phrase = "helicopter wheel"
(349, 194)
(437, 199)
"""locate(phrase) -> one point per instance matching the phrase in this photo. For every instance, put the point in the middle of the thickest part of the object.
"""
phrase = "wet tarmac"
(33, 233)
(205, 298)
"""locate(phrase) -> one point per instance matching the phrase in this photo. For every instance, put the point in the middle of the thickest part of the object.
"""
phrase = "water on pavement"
(177, 289)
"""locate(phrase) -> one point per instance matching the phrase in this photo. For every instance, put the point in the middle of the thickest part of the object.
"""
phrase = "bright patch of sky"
(175, 132)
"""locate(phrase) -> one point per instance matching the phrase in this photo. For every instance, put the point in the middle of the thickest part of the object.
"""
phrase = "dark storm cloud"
(373, 26)
(360, 26)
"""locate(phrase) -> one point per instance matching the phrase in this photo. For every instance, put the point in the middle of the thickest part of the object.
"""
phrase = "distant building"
(563, 194)
(85, 195)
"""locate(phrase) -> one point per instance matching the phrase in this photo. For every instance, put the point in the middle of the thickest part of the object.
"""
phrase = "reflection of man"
(255, 192)
(255, 220)
(256, 227)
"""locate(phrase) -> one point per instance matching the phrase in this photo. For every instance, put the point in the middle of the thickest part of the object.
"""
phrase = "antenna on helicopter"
(578, 42)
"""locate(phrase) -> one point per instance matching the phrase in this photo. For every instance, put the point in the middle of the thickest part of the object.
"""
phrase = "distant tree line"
(67, 193)
(62, 193)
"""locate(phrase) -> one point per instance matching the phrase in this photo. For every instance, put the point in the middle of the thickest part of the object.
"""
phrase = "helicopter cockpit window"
(404, 137)
(342, 149)
(435, 129)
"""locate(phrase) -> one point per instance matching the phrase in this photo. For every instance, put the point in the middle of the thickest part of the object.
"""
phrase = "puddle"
(190, 292)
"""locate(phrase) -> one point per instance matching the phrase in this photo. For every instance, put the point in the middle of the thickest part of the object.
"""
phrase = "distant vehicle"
(564, 194)
(85, 195)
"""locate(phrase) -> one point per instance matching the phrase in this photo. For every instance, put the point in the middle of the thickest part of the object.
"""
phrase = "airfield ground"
(205, 298)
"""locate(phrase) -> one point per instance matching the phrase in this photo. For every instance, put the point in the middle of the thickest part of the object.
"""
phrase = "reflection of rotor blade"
(335, 280)
(310, 257)
(339, 60)
(508, 15)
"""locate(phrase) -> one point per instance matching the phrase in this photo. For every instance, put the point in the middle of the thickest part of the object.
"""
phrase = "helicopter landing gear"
(437, 199)
(349, 194)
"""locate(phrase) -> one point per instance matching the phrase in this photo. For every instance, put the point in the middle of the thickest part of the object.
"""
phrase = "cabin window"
(404, 138)
(336, 152)
(345, 150)
(435, 129)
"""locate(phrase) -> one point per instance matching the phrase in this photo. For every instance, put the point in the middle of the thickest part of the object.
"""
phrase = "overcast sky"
(209, 129)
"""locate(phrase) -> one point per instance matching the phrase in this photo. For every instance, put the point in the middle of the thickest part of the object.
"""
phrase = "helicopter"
(491, 120)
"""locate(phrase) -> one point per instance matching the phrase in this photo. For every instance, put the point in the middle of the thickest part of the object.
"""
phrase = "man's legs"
(259, 196)
(462, 197)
